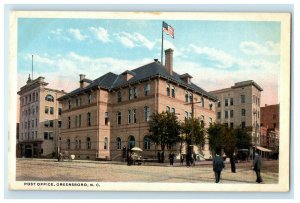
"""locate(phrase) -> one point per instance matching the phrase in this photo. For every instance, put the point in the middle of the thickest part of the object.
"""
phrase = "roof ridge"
(114, 82)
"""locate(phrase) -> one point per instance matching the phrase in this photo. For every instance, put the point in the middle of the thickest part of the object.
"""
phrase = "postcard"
(149, 101)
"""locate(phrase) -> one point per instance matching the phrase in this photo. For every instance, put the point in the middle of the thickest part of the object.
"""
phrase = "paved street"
(80, 170)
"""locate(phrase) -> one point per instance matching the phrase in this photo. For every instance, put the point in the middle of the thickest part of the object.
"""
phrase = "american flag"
(168, 29)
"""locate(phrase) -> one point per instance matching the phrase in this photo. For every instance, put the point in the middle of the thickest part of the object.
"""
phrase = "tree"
(243, 138)
(193, 133)
(216, 132)
(164, 129)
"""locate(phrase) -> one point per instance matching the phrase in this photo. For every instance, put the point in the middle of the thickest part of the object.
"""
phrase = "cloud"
(132, 40)
(77, 34)
(100, 33)
(269, 48)
(62, 71)
(57, 31)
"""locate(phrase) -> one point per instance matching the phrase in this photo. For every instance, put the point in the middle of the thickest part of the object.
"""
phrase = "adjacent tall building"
(239, 106)
(105, 115)
(39, 119)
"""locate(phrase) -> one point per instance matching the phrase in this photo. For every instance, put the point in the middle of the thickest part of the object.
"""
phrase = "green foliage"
(164, 129)
(243, 138)
(193, 131)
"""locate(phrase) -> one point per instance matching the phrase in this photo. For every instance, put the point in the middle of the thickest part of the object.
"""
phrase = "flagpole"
(162, 42)
(32, 67)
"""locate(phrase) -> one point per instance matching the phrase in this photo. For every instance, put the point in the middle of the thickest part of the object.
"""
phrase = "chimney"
(82, 76)
(169, 61)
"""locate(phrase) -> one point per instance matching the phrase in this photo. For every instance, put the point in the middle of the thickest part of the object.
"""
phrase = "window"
(243, 112)
(147, 89)
(46, 123)
(130, 93)
(243, 100)
(168, 109)
(134, 115)
(33, 110)
(69, 104)
(168, 89)
(131, 142)
(37, 109)
(69, 122)
(146, 143)
(119, 95)
(173, 110)
(28, 124)
(258, 101)
(210, 121)
(76, 143)
(78, 101)
(51, 136)
(69, 143)
(51, 110)
(46, 137)
(105, 143)
(129, 116)
(173, 91)
(32, 123)
(210, 106)
(135, 92)
(243, 124)
(79, 121)
(30, 98)
(231, 113)
(76, 121)
(106, 118)
(231, 101)
(226, 114)
(119, 118)
(231, 125)
(37, 97)
(46, 109)
(89, 119)
(186, 97)
(119, 143)
(59, 111)
(29, 111)
(226, 102)
(88, 143)
(202, 101)
(51, 123)
(89, 98)
(59, 124)
(49, 97)
(79, 143)
(190, 115)
(25, 125)
(191, 97)
(253, 99)
(219, 115)
(147, 113)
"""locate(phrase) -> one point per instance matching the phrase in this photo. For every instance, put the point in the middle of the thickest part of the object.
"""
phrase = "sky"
(216, 53)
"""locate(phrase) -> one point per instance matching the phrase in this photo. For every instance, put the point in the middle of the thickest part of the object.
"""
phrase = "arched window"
(105, 143)
(173, 91)
(131, 142)
(69, 143)
(146, 143)
(49, 97)
(119, 143)
(168, 89)
(88, 143)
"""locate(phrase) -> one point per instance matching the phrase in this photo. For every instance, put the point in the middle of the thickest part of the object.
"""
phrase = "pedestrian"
(218, 165)
(232, 163)
(181, 159)
(128, 157)
(162, 157)
(171, 156)
(257, 167)
(158, 157)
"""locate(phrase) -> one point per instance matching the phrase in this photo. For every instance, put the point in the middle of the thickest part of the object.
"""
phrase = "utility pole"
(190, 145)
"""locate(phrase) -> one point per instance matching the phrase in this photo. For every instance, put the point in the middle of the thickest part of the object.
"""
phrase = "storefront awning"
(263, 149)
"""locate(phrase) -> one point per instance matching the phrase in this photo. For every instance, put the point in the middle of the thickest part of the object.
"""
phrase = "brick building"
(239, 106)
(111, 112)
(270, 126)
(39, 119)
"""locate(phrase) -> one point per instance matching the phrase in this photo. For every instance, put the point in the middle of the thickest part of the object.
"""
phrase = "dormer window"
(49, 97)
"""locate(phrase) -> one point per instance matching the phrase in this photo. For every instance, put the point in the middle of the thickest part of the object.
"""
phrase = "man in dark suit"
(257, 167)
(218, 165)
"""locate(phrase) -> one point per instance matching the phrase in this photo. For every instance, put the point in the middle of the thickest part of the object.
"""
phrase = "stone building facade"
(39, 119)
(239, 106)
(112, 112)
